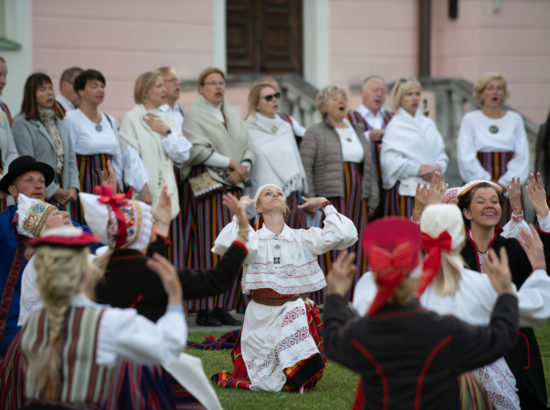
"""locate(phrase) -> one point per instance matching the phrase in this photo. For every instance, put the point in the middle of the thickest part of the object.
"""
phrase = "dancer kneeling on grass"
(279, 347)
(404, 353)
(72, 344)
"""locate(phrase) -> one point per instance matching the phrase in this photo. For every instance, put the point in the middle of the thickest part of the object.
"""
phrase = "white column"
(316, 42)
(220, 54)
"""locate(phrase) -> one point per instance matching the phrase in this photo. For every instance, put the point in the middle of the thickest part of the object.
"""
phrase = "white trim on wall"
(220, 53)
(316, 41)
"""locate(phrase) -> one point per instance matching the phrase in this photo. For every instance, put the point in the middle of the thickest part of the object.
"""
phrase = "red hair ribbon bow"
(432, 262)
(390, 269)
(107, 197)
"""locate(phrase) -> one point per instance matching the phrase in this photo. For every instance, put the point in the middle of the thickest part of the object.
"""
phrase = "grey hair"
(322, 97)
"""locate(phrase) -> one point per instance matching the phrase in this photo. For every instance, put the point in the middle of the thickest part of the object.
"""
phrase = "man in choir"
(67, 99)
(172, 84)
(374, 118)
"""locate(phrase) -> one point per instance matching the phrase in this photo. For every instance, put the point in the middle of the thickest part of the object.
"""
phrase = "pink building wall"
(371, 36)
(122, 39)
(514, 41)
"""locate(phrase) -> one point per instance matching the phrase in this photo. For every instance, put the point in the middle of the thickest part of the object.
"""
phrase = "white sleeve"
(125, 335)
(177, 147)
(30, 295)
(297, 128)
(544, 223)
(469, 167)
(534, 299)
(228, 234)
(217, 160)
(117, 155)
(338, 232)
(364, 294)
(512, 229)
(135, 173)
(518, 166)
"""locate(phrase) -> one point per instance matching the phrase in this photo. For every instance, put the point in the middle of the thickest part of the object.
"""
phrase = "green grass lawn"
(336, 390)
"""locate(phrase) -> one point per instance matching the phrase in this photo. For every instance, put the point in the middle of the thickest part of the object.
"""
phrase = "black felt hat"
(24, 164)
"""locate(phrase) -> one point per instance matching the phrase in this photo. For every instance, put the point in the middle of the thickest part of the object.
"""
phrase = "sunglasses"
(271, 96)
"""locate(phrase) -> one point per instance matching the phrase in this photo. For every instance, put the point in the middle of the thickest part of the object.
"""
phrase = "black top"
(128, 282)
(407, 355)
(525, 360)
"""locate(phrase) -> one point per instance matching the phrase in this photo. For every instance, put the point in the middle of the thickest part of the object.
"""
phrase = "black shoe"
(207, 318)
(223, 316)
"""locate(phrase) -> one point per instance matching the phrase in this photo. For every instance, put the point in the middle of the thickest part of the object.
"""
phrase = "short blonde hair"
(205, 73)
(144, 83)
(401, 88)
(270, 80)
(322, 97)
(254, 96)
(482, 82)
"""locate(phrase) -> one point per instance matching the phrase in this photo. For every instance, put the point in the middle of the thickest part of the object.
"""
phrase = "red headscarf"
(392, 246)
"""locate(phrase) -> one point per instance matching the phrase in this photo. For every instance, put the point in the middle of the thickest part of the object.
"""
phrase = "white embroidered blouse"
(287, 263)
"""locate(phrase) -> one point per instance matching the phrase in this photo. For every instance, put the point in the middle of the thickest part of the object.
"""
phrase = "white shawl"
(277, 158)
(408, 143)
(160, 168)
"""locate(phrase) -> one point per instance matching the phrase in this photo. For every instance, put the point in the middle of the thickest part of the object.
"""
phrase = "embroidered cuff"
(517, 218)
(174, 308)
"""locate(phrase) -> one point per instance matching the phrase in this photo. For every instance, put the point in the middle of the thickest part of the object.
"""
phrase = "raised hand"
(420, 202)
(437, 189)
(312, 204)
(163, 213)
(238, 207)
(498, 271)
(514, 194)
(108, 176)
(168, 276)
(537, 194)
(341, 274)
(146, 195)
(533, 247)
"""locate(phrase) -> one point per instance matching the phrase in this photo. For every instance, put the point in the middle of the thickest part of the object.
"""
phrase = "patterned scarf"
(47, 117)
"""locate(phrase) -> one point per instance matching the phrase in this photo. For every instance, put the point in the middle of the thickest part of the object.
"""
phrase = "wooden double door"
(264, 36)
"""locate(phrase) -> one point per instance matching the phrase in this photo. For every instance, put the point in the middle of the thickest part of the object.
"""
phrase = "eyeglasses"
(271, 96)
(215, 83)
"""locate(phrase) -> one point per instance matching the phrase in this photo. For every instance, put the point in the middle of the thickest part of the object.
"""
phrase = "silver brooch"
(493, 129)
(98, 127)
(274, 129)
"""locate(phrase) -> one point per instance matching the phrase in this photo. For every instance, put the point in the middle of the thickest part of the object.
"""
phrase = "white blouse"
(89, 138)
(479, 133)
(287, 263)
(352, 150)
(474, 300)
(123, 334)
